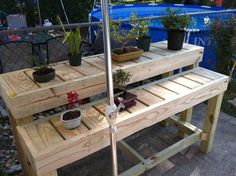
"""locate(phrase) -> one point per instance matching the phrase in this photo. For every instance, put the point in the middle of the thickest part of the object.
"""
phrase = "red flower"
(73, 99)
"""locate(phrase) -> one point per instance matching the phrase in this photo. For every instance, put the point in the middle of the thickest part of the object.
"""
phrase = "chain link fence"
(46, 43)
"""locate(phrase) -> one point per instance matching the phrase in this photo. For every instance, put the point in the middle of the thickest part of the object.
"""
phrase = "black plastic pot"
(144, 43)
(75, 60)
(175, 39)
(44, 76)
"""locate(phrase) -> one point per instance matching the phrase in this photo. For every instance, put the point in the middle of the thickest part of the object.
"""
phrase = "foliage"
(73, 38)
(73, 99)
(120, 79)
(139, 28)
(174, 21)
(224, 34)
(39, 65)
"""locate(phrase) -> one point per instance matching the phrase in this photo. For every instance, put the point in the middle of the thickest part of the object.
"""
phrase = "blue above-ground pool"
(199, 29)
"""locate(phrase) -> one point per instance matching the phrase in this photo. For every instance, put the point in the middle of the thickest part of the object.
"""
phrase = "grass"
(229, 95)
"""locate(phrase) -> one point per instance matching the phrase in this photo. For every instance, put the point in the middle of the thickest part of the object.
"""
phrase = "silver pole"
(111, 116)
(64, 11)
(39, 13)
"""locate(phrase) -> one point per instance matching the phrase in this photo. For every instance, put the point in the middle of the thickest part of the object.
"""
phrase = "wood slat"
(146, 97)
(207, 73)
(87, 69)
(101, 107)
(137, 107)
(56, 80)
(56, 122)
(186, 82)
(92, 118)
(66, 73)
(161, 92)
(141, 59)
(99, 63)
(43, 135)
(151, 55)
(197, 78)
(19, 82)
(174, 87)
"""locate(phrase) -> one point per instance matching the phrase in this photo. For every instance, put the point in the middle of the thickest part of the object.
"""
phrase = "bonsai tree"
(139, 28)
(120, 79)
(43, 71)
(176, 27)
(73, 38)
(174, 21)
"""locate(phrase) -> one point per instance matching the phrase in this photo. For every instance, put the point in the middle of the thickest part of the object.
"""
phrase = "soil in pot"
(175, 39)
(71, 115)
(75, 60)
(144, 43)
(44, 75)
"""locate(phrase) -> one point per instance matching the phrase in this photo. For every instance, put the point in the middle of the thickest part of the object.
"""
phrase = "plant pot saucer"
(132, 53)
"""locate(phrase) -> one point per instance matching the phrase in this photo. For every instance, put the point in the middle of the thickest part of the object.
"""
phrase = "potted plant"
(43, 71)
(143, 39)
(176, 28)
(73, 38)
(72, 117)
(120, 79)
(123, 37)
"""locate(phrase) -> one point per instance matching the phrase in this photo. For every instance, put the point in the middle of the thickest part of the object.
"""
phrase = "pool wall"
(200, 34)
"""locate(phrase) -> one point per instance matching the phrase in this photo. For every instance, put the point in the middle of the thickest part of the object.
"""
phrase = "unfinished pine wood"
(128, 123)
(87, 69)
(174, 87)
(66, 73)
(56, 122)
(161, 92)
(197, 78)
(186, 82)
(88, 79)
(210, 122)
(19, 82)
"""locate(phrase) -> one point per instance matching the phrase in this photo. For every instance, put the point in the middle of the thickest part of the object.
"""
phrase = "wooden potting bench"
(44, 145)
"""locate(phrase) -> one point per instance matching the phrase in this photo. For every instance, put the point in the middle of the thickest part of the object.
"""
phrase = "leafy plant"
(73, 38)
(120, 79)
(39, 65)
(73, 99)
(139, 28)
(224, 34)
(175, 21)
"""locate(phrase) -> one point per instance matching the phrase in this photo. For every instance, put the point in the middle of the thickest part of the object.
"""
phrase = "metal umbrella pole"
(111, 110)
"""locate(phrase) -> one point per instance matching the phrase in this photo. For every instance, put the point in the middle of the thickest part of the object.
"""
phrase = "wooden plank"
(210, 122)
(99, 63)
(87, 69)
(137, 107)
(92, 118)
(141, 59)
(186, 82)
(130, 152)
(56, 80)
(174, 87)
(163, 155)
(187, 117)
(197, 78)
(146, 97)
(19, 82)
(67, 134)
(151, 55)
(207, 73)
(161, 92)
(71, 150)
(66, 73)
(43, 135)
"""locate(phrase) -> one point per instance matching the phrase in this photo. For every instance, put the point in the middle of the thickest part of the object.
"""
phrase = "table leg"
(185, 116)
(210, 122)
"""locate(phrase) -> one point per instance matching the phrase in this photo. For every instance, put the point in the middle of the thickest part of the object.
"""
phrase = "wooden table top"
(21, 92)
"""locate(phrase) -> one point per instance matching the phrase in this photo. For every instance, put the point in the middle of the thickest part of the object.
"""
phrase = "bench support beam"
(210, 122)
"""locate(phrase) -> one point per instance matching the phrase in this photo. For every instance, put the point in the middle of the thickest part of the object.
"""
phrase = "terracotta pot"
(131, 53)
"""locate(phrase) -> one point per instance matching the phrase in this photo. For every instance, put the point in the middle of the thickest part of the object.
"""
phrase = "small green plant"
(139, 28)
(73, 38)
(120, 79)
(37, 64)
(173, 21)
